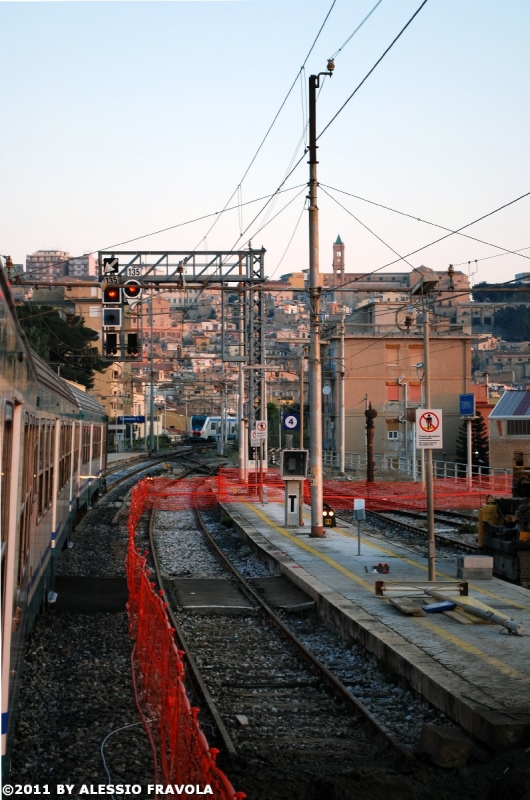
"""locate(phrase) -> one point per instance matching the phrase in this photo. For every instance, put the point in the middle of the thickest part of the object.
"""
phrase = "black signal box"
(293, 464)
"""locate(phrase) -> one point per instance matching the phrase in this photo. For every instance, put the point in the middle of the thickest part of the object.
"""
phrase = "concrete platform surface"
(477, 674)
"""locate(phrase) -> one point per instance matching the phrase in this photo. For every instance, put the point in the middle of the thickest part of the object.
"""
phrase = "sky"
(124, 118)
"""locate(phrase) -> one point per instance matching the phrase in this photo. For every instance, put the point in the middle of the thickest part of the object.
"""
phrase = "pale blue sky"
(121, 118)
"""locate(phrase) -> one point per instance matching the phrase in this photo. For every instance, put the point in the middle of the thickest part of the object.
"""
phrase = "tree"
(479, 443)
(515, 323)
(499, 293)
(63, 343)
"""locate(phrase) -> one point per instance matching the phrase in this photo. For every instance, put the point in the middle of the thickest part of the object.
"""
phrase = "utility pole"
(342, 412)
(302, 398)
(429, 483)
(315, 376)
(152, 384)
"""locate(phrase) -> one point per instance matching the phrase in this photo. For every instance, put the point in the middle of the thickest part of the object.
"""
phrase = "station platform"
(477, 673)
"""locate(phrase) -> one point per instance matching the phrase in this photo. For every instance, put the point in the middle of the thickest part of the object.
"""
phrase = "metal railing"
(403, 467)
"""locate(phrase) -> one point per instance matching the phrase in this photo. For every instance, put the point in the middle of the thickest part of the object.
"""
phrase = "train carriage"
(52, 462)
(210, 428)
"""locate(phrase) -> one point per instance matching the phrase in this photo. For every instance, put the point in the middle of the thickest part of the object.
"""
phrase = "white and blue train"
(210, 428)
(52, 462)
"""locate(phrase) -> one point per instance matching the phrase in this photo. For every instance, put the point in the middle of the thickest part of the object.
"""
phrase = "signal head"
(111, 294)
(132, 291)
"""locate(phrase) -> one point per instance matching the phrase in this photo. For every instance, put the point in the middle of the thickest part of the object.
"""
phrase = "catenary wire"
(401, 258)
(390, 46)
(440, 239)
(172, 227)
(427, 222)
(274, 120)
(359, 26)
(339, 111)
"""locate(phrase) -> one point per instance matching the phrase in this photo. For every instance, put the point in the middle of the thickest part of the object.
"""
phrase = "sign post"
(467, 412)
(359, 514)
(429, 434)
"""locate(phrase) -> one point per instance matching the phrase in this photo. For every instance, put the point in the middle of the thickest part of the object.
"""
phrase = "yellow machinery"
(504, 528)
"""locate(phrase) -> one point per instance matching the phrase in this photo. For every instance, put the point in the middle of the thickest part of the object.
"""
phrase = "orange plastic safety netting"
(182, 750)
(449, 493)
(176, 494)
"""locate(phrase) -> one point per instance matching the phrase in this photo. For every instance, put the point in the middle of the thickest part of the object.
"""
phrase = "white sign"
(429, 434)
(261, 428)
(255, 439)
(134, 272)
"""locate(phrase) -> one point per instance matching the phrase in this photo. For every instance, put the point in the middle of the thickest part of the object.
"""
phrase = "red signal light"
(111, 294)
(132, 291)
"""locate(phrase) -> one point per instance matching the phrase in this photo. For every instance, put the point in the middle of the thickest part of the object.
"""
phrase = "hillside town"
(373, 329)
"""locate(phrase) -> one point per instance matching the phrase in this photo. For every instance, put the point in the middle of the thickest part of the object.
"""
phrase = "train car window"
(76, 448)
(51, 462)
(40, 483)
(86, 444)
(7, 452)
(46, 463)
(28, 487)
(96, 448)
(68, 457)
(35, 448)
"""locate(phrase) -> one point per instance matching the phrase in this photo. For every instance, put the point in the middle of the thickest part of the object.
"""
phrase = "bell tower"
(338, 262)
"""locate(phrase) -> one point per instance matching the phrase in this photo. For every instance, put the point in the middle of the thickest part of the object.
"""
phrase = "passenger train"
(209, 428)
(52, 463)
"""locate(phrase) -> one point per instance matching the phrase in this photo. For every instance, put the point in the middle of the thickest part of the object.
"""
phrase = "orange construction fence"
(182, 750)
(379, 495)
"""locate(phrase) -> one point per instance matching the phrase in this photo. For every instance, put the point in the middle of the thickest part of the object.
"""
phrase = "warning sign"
(429, 429)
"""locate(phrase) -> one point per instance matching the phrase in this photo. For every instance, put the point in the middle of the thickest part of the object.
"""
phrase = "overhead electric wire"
(290, 240)
(427, 222)
(440, 239)
(273, 121)
(486, 258)
(390, 46)
(359, 26)
(53, 264)
(401, 258)
(342, 107)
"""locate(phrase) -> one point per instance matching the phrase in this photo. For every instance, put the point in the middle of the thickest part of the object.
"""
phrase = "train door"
(11, 453)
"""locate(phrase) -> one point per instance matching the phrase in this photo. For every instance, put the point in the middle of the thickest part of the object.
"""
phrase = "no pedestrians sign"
(429, 429)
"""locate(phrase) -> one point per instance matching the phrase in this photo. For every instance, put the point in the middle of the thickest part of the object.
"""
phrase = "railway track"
(278, 690)
(271, 700)
(446, 531)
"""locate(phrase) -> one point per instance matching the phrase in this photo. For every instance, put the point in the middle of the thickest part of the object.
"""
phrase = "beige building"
(384, 370)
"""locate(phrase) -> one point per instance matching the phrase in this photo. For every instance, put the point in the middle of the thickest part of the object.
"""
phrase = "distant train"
(52, 463)
(209, 428)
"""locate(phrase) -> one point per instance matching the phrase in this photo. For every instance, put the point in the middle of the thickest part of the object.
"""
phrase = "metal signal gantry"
(239, 275)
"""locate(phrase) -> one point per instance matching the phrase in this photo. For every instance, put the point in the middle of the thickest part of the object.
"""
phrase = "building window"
(93, 311)
(519, 427)
(392, 355)
(414, 393)
(392, 392)
(393, 434)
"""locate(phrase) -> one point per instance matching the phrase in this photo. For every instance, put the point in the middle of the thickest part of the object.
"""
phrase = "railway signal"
(132, 292)
(328, 517)
(111, 344)
(111, 294)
